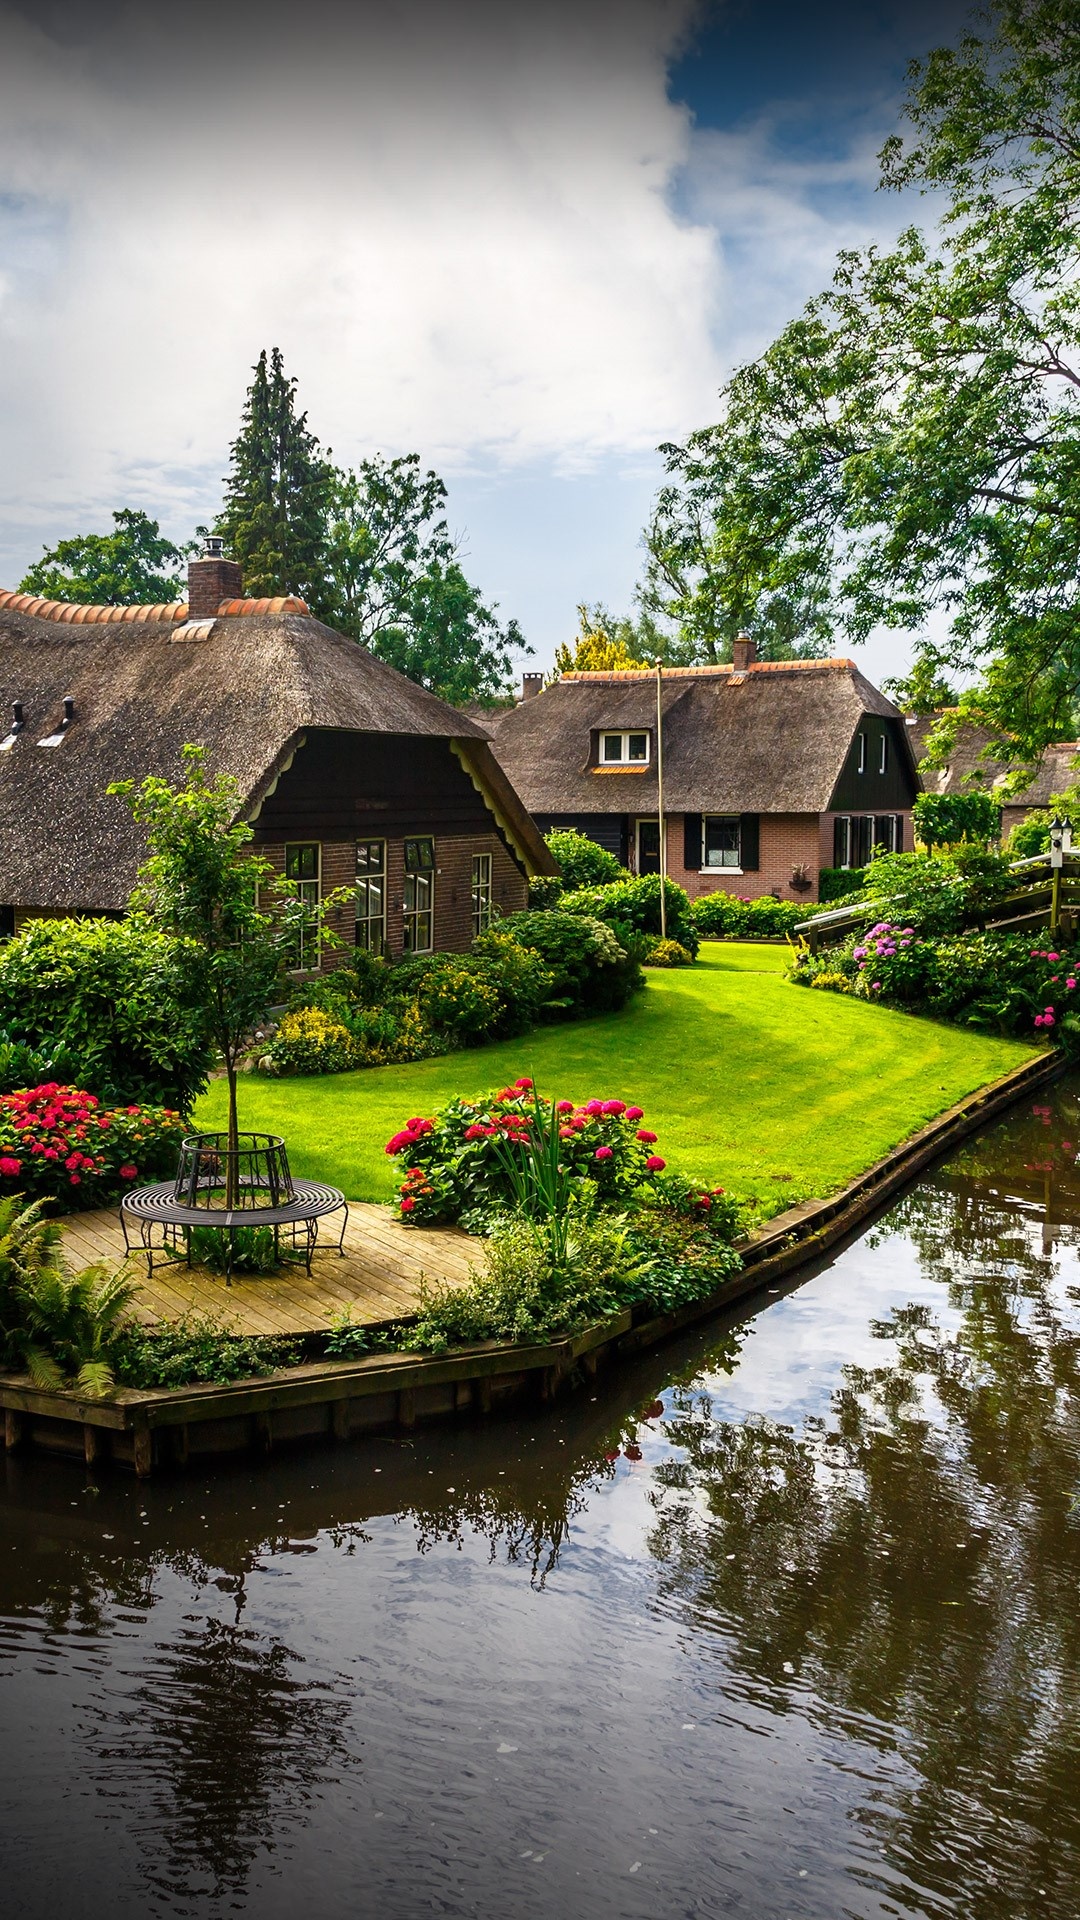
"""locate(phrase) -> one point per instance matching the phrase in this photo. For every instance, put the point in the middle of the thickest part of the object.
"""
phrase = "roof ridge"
(77, 613)
(837, 661)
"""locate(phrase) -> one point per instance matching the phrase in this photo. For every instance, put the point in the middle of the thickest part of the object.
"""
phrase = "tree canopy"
(277, 490)
(910, 445)
(602, 644)
(133, 565)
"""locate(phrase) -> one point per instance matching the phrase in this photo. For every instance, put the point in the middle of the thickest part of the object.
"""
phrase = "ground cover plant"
(782, 1094)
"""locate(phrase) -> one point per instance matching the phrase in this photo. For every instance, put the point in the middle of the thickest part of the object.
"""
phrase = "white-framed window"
(303, 866)
(481, 892)
(883, 763)
(624, 749)
(857, 836)
(721, 844)
(371, 895)
(419, 895)
(862, 753)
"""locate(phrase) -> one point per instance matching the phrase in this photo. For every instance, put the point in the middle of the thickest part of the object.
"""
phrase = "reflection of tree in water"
(915, 1559)
(225, 1737)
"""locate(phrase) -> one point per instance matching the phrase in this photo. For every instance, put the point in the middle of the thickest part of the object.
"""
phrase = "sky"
(528, 243)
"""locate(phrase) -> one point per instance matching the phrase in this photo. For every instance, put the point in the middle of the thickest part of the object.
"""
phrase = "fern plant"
(71, 1326)
(29, 1246)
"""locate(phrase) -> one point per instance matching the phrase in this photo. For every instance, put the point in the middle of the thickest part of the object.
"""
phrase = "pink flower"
(476, 1133)
(614, 1106)
(10, 1167)
(655, 1164)
(399, 1141)
(524, 1085)
(564, 1106)
(1053, 956)
(603, 1153)
(407, 1205)
(647, 1139)
(51, 1153)
(634, 1113)
(73, 1160)
(75, 1179)
(594, 1106)
(129, 1172)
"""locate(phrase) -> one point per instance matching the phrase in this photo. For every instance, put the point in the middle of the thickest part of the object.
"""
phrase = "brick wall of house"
(786, 840)
(453, 930)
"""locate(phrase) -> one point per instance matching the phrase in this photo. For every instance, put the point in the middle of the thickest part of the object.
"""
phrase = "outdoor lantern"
(1066, 834)
(1057, 841)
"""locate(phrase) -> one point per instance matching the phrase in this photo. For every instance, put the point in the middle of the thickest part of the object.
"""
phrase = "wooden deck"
(378, 1278)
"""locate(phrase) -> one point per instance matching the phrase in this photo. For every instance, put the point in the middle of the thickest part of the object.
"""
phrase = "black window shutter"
(839, 843)
(692, 842)
(748, 843)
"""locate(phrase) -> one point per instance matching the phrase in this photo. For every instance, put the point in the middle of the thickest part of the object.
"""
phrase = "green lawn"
(775, 1091)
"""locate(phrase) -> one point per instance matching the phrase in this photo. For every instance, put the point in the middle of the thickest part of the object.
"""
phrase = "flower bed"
(61, 1143)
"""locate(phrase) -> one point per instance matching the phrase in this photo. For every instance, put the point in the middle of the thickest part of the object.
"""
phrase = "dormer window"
(624, 749)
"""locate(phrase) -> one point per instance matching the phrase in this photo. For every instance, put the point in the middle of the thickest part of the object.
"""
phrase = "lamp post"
(1059, 828)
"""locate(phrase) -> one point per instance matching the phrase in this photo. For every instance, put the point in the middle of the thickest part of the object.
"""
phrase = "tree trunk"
(232, 1168)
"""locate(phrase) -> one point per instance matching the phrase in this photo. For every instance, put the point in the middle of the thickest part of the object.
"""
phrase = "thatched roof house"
(771, 769)
(346, 768)
(975, 762)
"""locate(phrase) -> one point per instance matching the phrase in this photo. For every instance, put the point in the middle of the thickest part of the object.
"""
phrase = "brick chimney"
(743, 653)
(212, 579)
(531, 683)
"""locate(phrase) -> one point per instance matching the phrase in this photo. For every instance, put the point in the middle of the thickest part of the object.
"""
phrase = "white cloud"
(456, 223)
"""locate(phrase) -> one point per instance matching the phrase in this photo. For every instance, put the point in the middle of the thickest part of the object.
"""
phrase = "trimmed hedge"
(726, 916)
(632, 909)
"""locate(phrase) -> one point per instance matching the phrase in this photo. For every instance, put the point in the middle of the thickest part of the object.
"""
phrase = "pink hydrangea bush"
(455, 1161)
(60, 1143)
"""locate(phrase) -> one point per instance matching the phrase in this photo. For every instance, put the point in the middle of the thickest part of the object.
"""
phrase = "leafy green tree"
(203, 886)
(392, 579)
(944, 819)
(132, 566)
(923, 691)
(602, 644)
(911, 442)
(277, 492)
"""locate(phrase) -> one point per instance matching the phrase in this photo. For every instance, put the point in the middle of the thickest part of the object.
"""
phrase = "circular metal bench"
(229, 1189)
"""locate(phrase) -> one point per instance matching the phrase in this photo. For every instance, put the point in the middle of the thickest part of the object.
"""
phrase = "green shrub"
(937, 893)
(71, 1325)
(27, 1245)
(633, 906)
(460, 1000)
(994, 981)
(525, 984)
(545, 891)
(23, 1066)
(182, 1352)
(667, 953)
(308, 1040)
(726, 916)
(113, 995)
(1030, 835)
(944, 819)
(522, 1294)
(581, 862)
(234, 1249)
(591, 972)
(839, 883)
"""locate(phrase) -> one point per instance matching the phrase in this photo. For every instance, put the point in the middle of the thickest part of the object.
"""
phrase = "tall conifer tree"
(277, 490)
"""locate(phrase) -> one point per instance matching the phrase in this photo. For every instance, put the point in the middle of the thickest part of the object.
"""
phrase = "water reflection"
(856, 1555)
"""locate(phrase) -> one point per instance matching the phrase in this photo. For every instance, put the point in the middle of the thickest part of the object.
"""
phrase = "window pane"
(481, 892)
(370, 856)
(638, 744)
(721, 840)
(884, 753)
(302, 862)
(611, 746)
(419, 856)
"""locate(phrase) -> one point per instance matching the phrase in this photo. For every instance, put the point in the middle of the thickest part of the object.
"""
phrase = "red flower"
(524, 1085)
(407, 1204)
(614, 1106)
(10, 1167)
(655, 1164)
(593, 1106)
(564, 1106)
(73, 1160)
(399, 1141)
(603, 1153)
(634, 1113)
(129, 1172)
(76, 1179)
(51, 1153)
(647, 1139)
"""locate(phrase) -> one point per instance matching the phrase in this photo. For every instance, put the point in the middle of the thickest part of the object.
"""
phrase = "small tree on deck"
(203, 886)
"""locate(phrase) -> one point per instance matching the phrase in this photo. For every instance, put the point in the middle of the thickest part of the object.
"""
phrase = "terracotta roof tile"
(78, 613)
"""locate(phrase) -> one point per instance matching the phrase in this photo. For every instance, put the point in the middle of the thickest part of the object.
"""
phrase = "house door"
(648, 846)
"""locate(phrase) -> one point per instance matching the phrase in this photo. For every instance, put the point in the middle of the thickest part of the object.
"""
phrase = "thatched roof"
(976, 762)
(246, 687)
(772, 738)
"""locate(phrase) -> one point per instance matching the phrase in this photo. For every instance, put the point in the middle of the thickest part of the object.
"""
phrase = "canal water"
(784, 1621)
